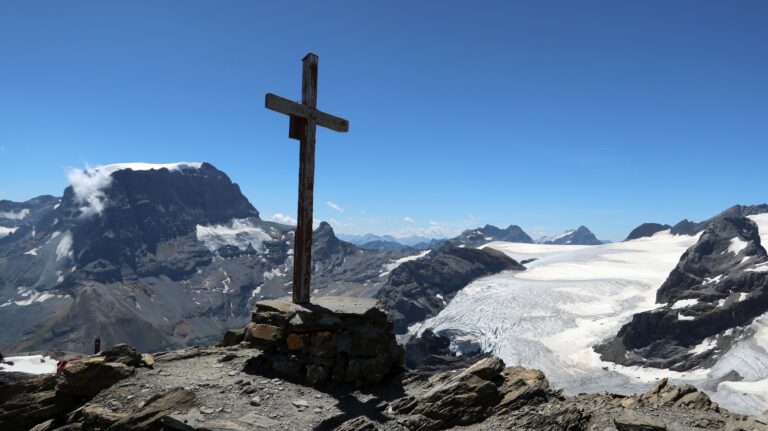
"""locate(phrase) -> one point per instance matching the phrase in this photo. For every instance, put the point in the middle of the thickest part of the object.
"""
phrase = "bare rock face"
(339, 339)
(716, 289)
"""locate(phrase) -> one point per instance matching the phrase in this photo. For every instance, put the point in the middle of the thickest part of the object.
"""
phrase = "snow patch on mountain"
(544, 239)
(5, 231)
(89, 184)
(389, 267)
(240, 233)
(684, 303)
(29, 297)
(15, 215)
(737, 245)
(64, 249)
(34, 364)
(762, 224)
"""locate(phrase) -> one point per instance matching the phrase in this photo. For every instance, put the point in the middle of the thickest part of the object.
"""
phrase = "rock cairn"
(337, 339)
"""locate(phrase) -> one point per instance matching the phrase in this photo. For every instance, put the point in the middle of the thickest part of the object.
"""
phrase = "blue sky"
(546, 114)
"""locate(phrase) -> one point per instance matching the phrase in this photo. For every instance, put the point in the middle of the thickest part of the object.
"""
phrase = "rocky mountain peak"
(581, 236)
(121, 213)
(717, 288)
(646, 230)
(328, 250)
(728, 244)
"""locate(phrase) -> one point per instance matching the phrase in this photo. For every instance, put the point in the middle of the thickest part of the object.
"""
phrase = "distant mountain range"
(409, 241)
(473, 238)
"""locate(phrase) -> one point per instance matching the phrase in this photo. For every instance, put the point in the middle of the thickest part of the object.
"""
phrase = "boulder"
(233, 337)
(470, 396)
(147, 360)
(685, 396)
(87, 377)
(94, 416)
(123, 354)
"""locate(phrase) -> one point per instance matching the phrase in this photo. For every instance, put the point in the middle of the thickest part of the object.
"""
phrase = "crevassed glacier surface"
(573, 297)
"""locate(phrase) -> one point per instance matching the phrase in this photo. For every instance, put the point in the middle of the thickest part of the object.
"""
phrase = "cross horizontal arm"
(289, 107)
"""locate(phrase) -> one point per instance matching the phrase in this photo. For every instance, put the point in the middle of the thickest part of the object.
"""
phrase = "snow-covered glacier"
(572, 298)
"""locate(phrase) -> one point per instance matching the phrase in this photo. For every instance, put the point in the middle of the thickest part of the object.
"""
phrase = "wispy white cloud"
(285, 219)
(434, 223)
(335, 206)
(14, 215)
(408, 220)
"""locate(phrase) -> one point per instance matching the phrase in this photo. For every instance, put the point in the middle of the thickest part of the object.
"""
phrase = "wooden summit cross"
(304, 117)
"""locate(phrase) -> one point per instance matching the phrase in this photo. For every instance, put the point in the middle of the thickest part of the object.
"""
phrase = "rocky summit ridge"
(217, 388)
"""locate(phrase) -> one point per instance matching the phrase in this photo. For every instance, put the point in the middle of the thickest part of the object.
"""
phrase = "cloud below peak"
(285, 219)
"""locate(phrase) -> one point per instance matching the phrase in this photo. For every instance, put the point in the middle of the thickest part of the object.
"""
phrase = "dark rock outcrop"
(646, 230)
(123, 354)
(716, 289)
(327, 250)
(431, 352)
(87, 377)
(419, 289)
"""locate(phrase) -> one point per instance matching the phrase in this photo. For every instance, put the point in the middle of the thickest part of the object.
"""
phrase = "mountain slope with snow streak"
(573, 297)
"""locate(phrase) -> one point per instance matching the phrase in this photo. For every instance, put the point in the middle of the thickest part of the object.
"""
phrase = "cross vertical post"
(302, 256)
(304, 117)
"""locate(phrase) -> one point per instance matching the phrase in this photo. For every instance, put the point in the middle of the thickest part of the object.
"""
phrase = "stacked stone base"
(336, 339)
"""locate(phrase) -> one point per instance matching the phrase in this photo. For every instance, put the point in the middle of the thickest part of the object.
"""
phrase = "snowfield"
(240, 233)
(572, 298)
(35, 364)
(389, 267)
